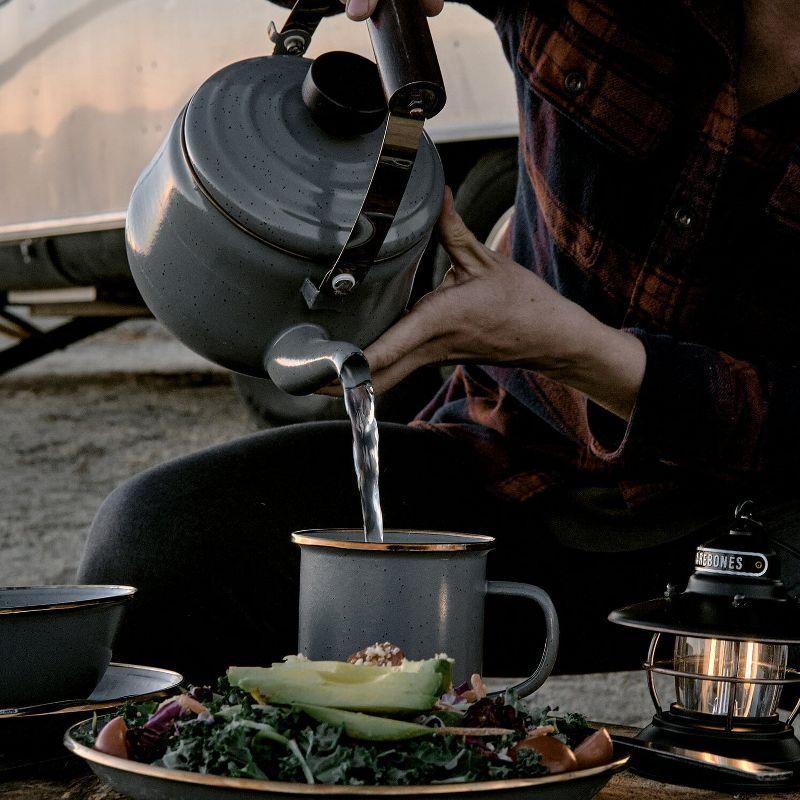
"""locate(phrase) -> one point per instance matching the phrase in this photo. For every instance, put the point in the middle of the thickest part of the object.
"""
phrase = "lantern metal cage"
(737, 611)
(729, 719)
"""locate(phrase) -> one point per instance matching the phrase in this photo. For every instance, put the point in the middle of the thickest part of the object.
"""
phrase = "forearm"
(608, 368)
(604, 363)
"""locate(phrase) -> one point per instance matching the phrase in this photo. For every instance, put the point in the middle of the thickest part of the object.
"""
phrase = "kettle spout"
(303, 359)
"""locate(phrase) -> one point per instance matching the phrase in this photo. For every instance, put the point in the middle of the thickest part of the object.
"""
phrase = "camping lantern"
(731, 629)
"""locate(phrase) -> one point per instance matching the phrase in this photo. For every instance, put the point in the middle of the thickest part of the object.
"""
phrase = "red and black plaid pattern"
(647, 197)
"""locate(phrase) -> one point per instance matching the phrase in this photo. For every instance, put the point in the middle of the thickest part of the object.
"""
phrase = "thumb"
(465, 251)
(433, 7)
(360, 9)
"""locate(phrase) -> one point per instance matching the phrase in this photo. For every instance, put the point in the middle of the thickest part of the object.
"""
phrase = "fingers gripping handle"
(404, 51)
(542, 599)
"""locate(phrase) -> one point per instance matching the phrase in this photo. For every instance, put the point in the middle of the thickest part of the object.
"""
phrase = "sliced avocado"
(381, 697)
(350, 686)
(366, 726)
(441, 665)
(359, 673)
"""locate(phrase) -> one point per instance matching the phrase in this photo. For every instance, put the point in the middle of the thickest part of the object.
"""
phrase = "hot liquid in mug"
(423, 591)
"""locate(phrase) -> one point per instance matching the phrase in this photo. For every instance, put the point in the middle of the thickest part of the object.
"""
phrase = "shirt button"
(684, 218)
(575, 82)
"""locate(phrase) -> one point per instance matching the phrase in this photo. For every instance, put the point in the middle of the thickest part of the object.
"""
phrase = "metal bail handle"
(402, 43)
(412, 83)
(406, 58)
(389, 181)
(294, 37)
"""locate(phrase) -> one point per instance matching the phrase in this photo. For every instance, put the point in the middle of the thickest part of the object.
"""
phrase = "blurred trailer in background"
(88, 89)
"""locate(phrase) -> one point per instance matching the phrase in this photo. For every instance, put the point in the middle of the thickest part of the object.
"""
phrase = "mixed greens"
(243, 731)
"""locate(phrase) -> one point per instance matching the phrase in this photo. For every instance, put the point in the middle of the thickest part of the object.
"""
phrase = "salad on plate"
(376, 719)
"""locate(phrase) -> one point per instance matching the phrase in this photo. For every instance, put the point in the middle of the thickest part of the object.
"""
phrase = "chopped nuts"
(379, 655)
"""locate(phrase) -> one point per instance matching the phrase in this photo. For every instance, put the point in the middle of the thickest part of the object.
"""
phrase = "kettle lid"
(257, 151)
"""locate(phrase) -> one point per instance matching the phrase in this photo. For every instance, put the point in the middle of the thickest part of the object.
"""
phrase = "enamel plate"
(145, 782)
(46, 724)
(121, 683)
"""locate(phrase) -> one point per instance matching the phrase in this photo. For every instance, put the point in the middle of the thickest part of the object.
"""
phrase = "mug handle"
(542, 599)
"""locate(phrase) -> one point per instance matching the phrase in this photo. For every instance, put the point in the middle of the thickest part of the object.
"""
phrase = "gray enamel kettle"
(278, 229)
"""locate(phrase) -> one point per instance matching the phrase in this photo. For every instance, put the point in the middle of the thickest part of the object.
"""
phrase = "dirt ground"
(79, 422)
(76, 424)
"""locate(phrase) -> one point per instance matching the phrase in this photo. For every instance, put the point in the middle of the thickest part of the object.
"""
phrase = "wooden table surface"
(80, 786)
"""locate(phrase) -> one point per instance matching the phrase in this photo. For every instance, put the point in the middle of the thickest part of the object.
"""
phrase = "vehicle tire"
(484, 198)
(271, 407)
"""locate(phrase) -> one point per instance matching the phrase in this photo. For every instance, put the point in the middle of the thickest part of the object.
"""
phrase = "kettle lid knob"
(344, 94)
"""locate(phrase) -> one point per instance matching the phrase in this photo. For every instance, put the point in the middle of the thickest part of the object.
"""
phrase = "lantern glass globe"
(729, 659)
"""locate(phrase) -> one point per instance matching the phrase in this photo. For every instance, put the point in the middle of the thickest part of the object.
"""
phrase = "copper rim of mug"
(461, 541)
(122, 594)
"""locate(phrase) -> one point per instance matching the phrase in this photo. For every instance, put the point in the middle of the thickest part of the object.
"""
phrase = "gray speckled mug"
(422, 590)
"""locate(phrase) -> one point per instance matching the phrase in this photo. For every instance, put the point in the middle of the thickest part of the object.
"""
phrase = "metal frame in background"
(88, 316)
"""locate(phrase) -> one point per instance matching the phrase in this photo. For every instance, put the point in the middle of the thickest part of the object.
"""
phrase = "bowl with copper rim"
(140, 781)
(55, 641)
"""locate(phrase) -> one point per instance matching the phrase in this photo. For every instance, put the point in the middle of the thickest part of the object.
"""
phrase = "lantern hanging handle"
(744, 513)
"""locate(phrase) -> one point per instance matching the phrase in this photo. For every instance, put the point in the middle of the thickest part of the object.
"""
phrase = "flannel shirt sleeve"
(702, 409)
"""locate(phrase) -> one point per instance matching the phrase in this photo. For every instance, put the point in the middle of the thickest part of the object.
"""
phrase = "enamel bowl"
(55, 641)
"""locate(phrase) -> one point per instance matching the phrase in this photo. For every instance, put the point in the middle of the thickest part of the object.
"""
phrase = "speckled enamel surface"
(228, 294)
(256, 149)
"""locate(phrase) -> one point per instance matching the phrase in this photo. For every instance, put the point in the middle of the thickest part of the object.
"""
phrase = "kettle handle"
(412, 83)
(406, 57)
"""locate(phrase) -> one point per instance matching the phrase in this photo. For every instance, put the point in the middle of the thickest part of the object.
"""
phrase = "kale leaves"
(238, 737)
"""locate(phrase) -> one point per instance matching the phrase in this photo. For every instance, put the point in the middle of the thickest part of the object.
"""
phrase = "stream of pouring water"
(360, 404)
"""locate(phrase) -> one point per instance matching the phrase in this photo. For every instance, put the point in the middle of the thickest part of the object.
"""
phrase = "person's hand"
(361, 9)
(491, 310)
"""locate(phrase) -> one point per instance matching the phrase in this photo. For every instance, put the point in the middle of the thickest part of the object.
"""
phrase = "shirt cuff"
(661, 416)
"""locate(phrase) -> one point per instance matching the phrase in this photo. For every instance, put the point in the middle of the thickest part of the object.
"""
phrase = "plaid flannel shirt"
(646, 197)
